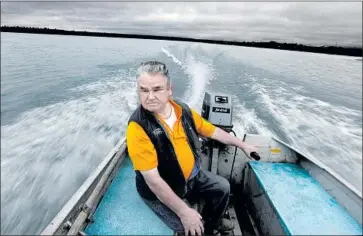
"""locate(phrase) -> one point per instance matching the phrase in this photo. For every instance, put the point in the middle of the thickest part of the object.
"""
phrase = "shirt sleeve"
(204, 127)
(141, 150)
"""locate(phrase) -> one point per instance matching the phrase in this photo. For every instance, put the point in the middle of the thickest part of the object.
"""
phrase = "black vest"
(168, 165)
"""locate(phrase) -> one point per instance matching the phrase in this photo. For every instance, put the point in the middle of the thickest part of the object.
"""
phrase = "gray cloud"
(315, 23)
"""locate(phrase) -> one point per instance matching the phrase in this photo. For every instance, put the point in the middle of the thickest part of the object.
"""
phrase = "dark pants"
(212, 189)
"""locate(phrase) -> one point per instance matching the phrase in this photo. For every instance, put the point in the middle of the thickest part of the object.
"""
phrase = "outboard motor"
(217, 109)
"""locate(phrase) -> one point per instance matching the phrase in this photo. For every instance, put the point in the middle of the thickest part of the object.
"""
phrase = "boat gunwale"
(323, 167)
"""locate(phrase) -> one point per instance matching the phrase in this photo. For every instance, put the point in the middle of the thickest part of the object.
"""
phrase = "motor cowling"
(218, 109)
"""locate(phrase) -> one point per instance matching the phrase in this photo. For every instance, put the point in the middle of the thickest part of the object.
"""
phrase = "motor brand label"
(221, 109)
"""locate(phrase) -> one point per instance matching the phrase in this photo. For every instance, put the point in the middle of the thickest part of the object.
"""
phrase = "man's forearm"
(224, 137)
(167, 196)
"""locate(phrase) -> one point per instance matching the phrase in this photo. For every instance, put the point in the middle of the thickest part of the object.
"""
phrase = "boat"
(285, 192)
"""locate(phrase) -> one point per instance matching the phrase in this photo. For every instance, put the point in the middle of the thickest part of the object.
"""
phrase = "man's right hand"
(190, 218)
(192, 221)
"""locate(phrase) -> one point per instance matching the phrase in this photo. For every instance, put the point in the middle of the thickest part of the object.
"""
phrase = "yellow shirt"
(143, 154)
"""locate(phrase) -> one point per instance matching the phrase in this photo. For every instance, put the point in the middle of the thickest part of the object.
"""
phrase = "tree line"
(338, 50)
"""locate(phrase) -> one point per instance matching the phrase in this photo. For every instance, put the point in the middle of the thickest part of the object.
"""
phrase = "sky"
(311, 23)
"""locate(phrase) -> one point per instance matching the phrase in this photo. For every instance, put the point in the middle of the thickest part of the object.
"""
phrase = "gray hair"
(154, 67)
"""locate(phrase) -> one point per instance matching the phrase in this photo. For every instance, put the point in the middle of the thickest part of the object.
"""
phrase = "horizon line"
(183, 38)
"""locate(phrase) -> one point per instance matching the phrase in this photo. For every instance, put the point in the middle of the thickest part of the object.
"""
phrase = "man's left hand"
(248, 149)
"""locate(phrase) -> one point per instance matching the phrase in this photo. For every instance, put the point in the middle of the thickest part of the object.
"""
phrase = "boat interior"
(284, 193)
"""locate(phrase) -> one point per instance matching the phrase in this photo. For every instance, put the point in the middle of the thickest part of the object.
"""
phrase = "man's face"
(154, 92)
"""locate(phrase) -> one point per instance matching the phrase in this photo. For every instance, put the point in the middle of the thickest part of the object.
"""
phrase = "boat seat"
(123, 212)
(301, 203)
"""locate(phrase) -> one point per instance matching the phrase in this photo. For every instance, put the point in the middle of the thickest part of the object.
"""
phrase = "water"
(65, 101)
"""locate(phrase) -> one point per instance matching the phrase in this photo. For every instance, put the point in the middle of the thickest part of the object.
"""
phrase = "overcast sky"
(315, 23)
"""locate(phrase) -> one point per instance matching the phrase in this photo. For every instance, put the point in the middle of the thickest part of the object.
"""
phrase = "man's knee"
(224, 185)
(214, 184)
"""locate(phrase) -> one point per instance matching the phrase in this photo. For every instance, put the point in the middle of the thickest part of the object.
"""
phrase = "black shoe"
(226, 225)
(213, 232)
(206, 233)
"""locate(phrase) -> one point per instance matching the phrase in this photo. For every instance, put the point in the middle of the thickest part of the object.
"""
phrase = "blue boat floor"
(123, 212)
(303, 205)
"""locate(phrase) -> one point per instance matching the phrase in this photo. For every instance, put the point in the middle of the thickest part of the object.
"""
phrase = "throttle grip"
(255, 156)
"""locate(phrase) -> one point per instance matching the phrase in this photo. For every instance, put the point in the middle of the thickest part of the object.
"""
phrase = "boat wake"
(327, 132)
(56, 148)
(199, 74)
(48, 152)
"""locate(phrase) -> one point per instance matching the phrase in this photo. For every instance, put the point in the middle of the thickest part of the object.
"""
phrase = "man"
(161, 139)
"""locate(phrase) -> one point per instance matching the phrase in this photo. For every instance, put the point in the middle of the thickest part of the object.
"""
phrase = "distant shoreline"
(335, 50)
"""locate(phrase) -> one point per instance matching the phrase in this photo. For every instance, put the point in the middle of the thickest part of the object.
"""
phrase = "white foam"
(176, 60)
(200, 73)
(245, 120)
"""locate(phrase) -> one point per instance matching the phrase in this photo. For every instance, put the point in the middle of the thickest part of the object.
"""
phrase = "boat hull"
(85, 212)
